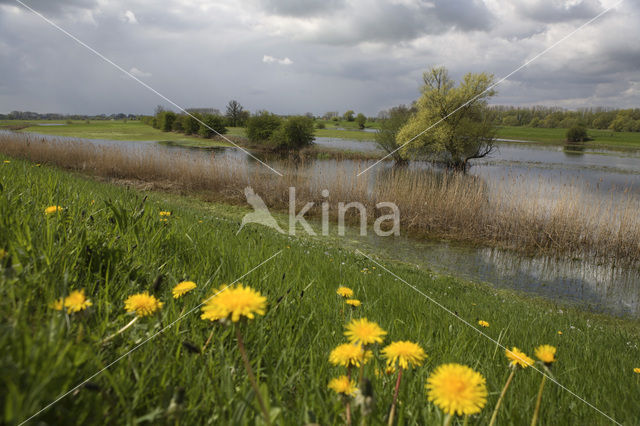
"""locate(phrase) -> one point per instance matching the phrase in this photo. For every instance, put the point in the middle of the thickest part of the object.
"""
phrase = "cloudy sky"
(296, 56)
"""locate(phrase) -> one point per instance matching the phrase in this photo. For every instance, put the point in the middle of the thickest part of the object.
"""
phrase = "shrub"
(190, 124)
(577, 133)
(165, 120)
(260, 127)
(320, 126)
(294, 133)
(214, 122)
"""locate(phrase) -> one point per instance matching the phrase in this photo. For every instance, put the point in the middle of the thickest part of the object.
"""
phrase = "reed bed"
(573, 221)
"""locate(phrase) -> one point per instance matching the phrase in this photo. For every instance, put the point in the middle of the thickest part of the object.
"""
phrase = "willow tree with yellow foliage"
(457, 118)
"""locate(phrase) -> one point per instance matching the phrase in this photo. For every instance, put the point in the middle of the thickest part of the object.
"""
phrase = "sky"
(298, 56)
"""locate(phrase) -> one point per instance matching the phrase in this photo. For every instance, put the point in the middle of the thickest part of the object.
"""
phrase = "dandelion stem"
(120, 331)
(448, 419)
(534, 419)
(252, 378)
(504, 391)
(395, 397)
(207, 342)
(348, 400)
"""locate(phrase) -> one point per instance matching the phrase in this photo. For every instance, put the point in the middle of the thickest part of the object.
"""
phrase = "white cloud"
(138, 73)
(130, 17)
(270, 59)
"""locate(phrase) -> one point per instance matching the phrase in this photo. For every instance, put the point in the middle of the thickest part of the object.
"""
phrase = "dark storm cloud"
(464, 15)
(302, 7)
(364, 54)
(52, 7)
(548, 12)
(384, 21)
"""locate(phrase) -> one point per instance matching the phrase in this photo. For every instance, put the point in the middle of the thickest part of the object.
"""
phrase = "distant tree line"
(200, 121)
(30, 115)
(617, 120)
(263, 128)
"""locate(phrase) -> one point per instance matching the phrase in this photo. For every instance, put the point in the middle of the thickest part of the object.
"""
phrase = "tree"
(294, 133)
(360, 120)
(394, 120)
(235, 114)
(165, 120)
(577, 133)
(190, 124)
(348, 115)
(261, 126)
(213, 125)
(463, 126)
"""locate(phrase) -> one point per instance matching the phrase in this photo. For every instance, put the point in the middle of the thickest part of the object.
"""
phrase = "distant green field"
(600, 138)
(113, 130)
(137, 131)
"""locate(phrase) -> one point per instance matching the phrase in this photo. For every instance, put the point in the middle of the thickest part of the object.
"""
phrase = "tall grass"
(574, 222)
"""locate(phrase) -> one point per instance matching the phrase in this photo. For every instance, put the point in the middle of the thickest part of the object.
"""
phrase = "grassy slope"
(600, 138)
(112, 243)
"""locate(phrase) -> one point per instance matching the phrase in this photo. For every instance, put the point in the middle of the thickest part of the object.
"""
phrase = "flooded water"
(597, 287)
(602, 288)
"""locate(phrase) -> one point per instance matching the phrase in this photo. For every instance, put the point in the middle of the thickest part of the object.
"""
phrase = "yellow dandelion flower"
(76, 301)
(349, 354)
(165, 213)
(234, 302)
(483, 323)
(52, 209)
(343, 385)
(519, 358)
(457, 389)
(353, 302)
(345, 292)
(560, 332)
(142, 304)
(58, 304)
(364, 331)
(405, 353)
(3, 254)
(388, 371)
(7, 161)
(636, 370)
(183, 288)
(546, 353)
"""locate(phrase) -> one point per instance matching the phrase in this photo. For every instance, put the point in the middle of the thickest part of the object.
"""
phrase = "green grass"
(603, 139)
(112, 130)
(329, 132)
(109, 240)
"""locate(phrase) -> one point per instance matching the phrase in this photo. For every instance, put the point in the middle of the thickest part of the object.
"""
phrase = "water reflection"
(595, 287)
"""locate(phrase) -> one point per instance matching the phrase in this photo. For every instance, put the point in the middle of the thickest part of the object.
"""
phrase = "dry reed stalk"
(516, 213)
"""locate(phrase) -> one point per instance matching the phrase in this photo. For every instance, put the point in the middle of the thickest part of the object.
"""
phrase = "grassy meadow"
(118, 130)
(132, 130)
(600, 139)
(111, 241)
